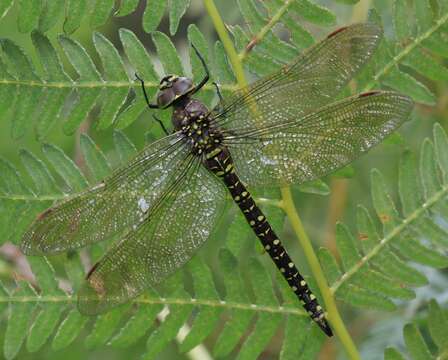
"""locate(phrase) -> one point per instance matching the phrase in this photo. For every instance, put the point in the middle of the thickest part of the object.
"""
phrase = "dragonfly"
(283, 129)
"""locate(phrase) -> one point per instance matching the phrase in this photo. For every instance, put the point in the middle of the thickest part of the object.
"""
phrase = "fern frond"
(420, 342)
(373, 267)
(417, 46)
(54, 96)
(44, 15)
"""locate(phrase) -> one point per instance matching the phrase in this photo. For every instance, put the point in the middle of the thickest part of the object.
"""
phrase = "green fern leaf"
(45, 15)
(420, 346)
(19, 315)
(153, 14)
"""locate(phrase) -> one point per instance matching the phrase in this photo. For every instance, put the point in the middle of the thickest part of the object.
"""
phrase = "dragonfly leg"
(218, 91)
(161, 124)
(142, 82)
(221, 99)
(207, 73)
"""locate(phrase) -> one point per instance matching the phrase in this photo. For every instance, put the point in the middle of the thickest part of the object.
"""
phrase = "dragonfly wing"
(172, 232)
(111, 207)
(310, 147)
(312, 80)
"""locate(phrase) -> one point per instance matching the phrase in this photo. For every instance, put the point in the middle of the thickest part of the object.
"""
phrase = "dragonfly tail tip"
(323, 324)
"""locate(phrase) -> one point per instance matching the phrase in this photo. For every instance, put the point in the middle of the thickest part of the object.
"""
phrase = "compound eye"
(182, 86)
(165, 98)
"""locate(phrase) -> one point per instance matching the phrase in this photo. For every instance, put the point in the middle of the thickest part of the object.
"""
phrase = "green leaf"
(382, 202)
(75, 11)
(127, 7)
(208, 318)
(29, 11)
(360, 297)
(43, 326)
(392, 354)
(420, 346)
(19, 315)
(423, 14)
(101, 12)
(21, 67)
(87, 74)
(428, 169)
(294, 340)
(68, 330)
(95, 160)
(441, 145)
(329, 265)
(137, 326)
(346, 246)
(138, 56)
(177, 10)
(438, 325)
(314, 13)
(114, 71)
(153, 14)
(426, 65)
(104, 327)
(223, 69)
(240, 319)
(167, 54)
(401, 20)
(407, 84)
(55, 97)
(166, 332)
(125, 148)
(51, 13)
(415, 343)
(43, 181)
(65, 168)
(45, 276)
(408, 184)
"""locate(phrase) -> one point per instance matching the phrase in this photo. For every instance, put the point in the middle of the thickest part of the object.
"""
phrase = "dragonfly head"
(172, 88)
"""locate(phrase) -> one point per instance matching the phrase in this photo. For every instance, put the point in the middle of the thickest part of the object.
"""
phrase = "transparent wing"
(172, 232)
(320, 142)
(309, 82)
(111, 207)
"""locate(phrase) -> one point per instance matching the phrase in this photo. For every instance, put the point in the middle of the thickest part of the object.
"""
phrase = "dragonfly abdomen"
(219, 161)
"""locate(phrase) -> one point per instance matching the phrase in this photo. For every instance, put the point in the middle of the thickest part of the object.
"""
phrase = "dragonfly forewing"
(312, 80)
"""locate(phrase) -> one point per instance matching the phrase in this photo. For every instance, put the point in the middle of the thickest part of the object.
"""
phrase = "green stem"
(330, 304)
(92, 84)
(287, 202)
(262, 33)
(227, 42)
(149, 300)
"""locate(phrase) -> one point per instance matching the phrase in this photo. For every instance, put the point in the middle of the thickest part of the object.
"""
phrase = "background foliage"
(71, 111)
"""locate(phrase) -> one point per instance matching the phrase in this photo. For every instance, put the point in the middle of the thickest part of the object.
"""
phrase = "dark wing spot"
(369, 93)
(44, 213)
(92, 270)
(337, 31)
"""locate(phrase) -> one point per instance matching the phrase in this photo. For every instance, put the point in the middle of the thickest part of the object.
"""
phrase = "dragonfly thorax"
(191, 117)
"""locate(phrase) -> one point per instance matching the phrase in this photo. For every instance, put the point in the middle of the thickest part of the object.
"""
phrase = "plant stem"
(330, 304)
(287, 202)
